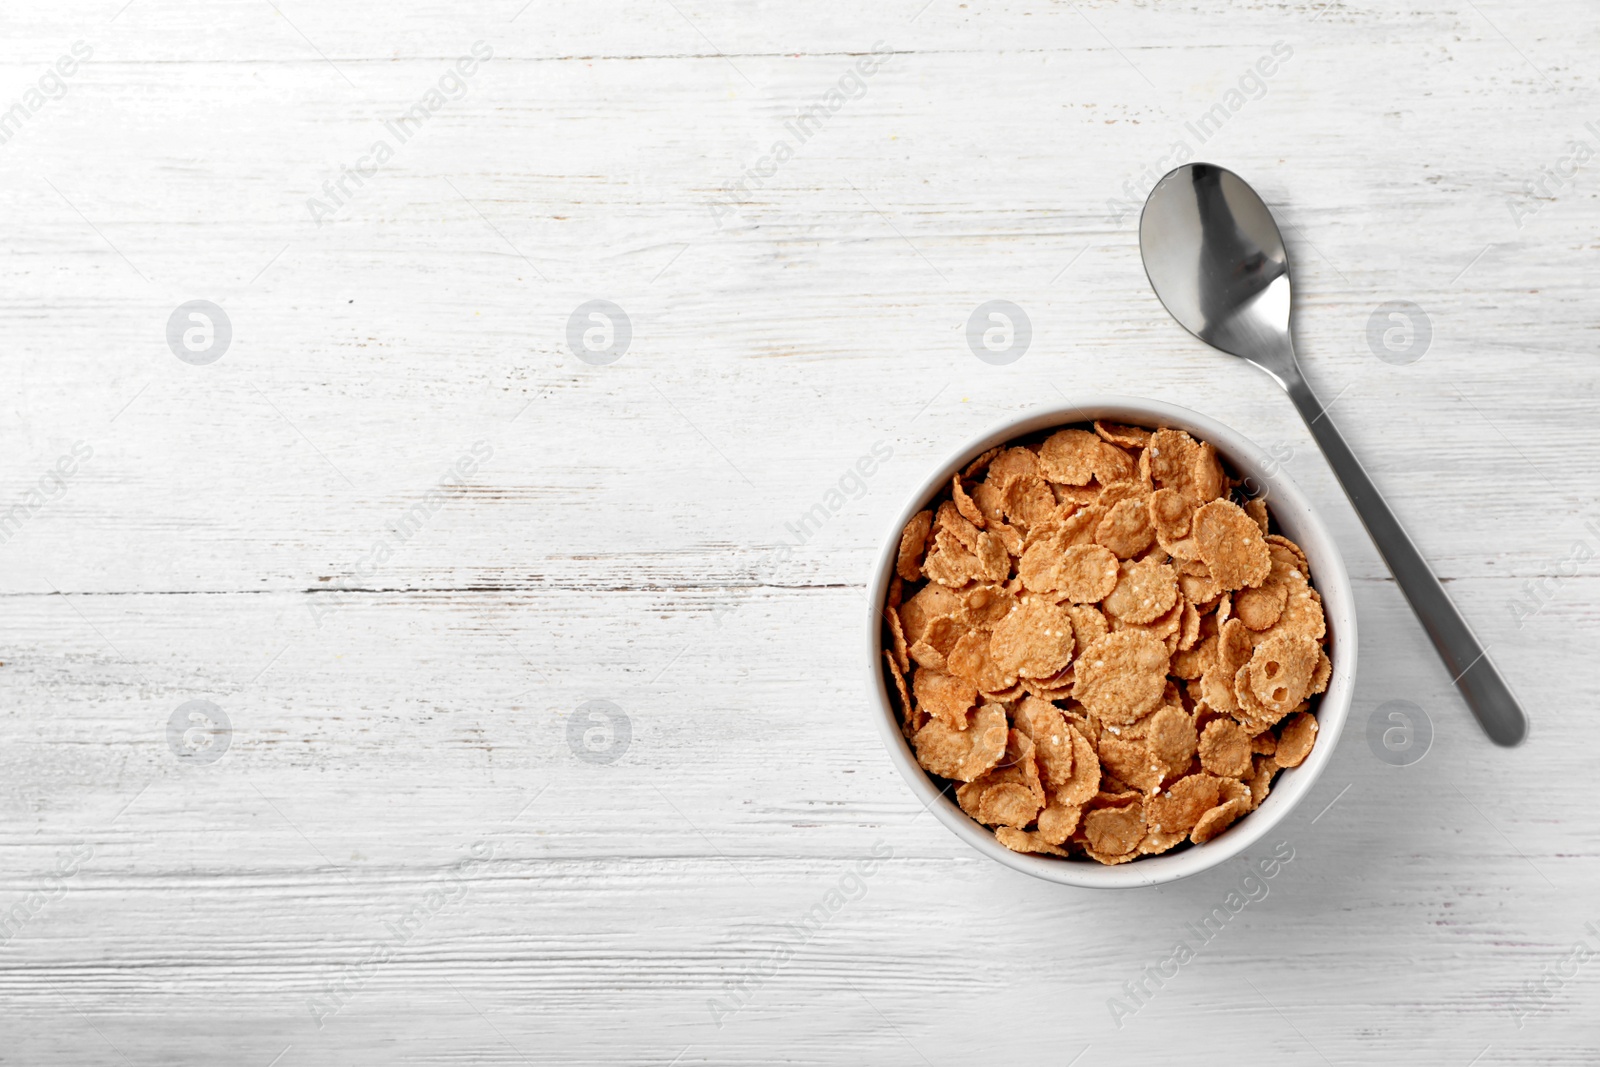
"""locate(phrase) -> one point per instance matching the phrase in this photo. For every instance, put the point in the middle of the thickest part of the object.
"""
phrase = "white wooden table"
(400, 858)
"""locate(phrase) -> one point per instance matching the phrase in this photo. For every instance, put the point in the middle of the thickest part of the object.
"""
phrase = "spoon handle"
(1464, 656)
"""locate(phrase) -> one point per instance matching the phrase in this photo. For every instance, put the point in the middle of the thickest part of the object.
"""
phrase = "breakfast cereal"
(1103, 647)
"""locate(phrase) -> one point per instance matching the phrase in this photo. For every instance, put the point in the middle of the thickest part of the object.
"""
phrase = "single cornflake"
(1164, 627)
(993, 557)
(1122, 676)
(1188, 627)
(1295, 738)
(1180, 805)
(1145, 591)
(910, 717)
(1225, 749)
(897, 636)
(987, 604)
(1129, 761)
(1158, 841)
(963, 754)
(1033, 641)
(1085, 780)
(1028, 502)
(1235, 646)
(1068, 456)
(964, 504)
(1322, 675)
(1059, 820)
(1043, 724)
(1115, 831)
(1171, 456)
(1218, 819)
(1118, 434)
(1023, 841)
(1126, 528)
(1281, 671)
(932, 601)
(944, 696)
(1260, 608)
(990, 502)
(913, 541)
(1256, 508)
(1216, 689)
(1170, 740)
(1171, 512)
(1206, 479)
(1231, 545)
(981, 464)
(1011, 464)
(1085, 573)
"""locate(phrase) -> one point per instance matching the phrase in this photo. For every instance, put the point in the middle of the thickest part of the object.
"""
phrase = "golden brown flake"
(964, 504)
(1068, 456)
(1059, 821)
(1126, 528)
(1011, 464)
(1085, 780)
(1281, 670)
(1145, 591)
(963, 754)
(1260, 608)
(1034, 641)
(1170, 740)
(1126, 436)
(1218, 819)
(897, 636)
(1122, 676)
(1180, 806)
(1042, 723)
(1085, 573)
(1115, 831)
(913, 541)
(1230, 544)
(1256, 508)
(944, 696)
(1225, 749)
(1295, 739)
(910, 717)
(1023, 841)
(932, 601)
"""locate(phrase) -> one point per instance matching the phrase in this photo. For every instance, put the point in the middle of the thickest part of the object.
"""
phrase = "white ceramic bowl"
(1291, 512)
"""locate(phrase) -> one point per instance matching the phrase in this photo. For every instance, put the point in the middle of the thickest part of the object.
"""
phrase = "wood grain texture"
(399, 755)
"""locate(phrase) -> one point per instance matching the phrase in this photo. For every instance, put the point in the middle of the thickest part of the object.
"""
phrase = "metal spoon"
(1216, 260)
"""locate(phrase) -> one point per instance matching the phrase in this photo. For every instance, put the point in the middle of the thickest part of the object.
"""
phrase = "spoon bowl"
(1214, 255)
(1216, 260)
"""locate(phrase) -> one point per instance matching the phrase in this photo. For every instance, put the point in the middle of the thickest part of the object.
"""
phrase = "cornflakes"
(1103, 643)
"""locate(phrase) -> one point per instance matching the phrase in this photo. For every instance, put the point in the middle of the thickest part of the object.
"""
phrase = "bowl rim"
(1294, 514)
